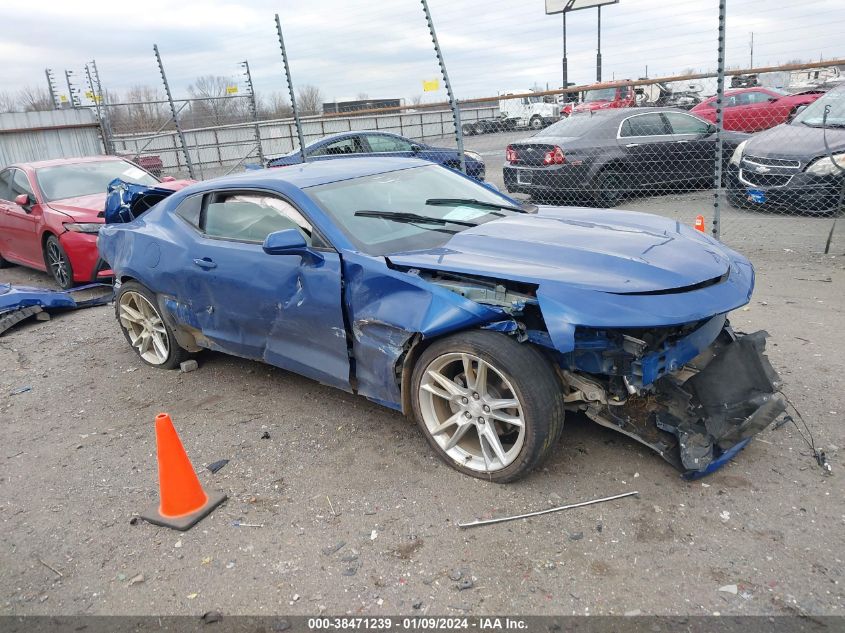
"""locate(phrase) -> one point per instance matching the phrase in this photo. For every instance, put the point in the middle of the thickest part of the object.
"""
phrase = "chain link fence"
(757, 150)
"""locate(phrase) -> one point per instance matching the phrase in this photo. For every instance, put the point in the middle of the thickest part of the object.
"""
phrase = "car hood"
(81, 208)
(620, 252)
(797, 141)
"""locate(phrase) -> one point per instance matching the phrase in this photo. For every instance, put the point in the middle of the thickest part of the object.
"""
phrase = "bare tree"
(309, 99)
(218, 106)
(35, 99)
(416, 100)
(140, 113)
(276, 107)
(362, 96)
(8, 103)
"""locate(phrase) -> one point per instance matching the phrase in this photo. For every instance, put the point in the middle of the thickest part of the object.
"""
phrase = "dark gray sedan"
(610, 154)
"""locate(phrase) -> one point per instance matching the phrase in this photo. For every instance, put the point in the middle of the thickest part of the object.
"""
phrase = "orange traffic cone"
(699, 223)
(183, 502)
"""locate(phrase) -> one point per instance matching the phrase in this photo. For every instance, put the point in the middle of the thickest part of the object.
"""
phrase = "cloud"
(384, 48)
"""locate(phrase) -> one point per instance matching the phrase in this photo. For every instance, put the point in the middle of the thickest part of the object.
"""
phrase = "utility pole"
(598, 50)
(751, 63)
(174, 114)
(565, 62)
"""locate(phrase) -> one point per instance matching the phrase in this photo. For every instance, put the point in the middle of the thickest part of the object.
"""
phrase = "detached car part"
(18, 303)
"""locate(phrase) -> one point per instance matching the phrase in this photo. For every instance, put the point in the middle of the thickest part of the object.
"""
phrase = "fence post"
(106, 120)
(296, 120)
(51, 86)
(73, 103)
(96, 96)
(456, 112)
(174, 114)
(720, 94)
(254, 109)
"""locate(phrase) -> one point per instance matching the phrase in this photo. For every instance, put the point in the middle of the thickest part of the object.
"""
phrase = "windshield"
(575, 125)
(814, 114)
(83, 179)
(420, 191)
(605, 94)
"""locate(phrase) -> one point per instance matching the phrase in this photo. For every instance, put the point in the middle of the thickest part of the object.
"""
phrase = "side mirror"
(24, 200)
(168, 179)
(290, 242)
(416, 148)
(798, 111)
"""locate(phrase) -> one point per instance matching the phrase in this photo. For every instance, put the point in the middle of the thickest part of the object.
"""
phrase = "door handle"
(632, 145)
(682, 141)
(205, 263)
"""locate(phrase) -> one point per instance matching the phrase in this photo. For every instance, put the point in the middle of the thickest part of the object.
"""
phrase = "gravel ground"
(354, 514)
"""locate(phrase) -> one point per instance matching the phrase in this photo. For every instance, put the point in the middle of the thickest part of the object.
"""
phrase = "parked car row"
(609, 154)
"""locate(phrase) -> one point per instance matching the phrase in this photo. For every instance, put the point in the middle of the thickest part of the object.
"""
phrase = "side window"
(349, 145)
(686, 124)
(189, 210)
(758, 97)
(644, 125)
(250, 217)
(6, 185)
(20, 183)
(382, 143)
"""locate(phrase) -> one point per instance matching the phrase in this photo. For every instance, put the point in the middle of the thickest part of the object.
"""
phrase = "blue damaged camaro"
(430, 293)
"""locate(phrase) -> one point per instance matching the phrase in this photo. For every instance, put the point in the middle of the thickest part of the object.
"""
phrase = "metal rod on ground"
(456, 112)
(296, 120)
(549, 511)
(254, 110)
(174, 113)
(720, 95)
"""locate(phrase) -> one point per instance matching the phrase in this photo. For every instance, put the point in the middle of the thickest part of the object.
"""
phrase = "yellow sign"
(431, 85)
(63, 98)
(230, 90)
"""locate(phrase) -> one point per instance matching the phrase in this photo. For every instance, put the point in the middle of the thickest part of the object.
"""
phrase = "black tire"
(58, 263)
(608, 189)
(175, 354)
(534, 384)
(468, 129)
(536, 123)
(4, 263)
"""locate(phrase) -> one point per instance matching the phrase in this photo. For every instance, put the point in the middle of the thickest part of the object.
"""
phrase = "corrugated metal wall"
(30, 136)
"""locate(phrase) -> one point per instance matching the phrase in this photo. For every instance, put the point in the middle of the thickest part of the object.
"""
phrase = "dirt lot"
(355, 514)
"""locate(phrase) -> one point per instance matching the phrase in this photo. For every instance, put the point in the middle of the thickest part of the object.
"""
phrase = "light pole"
(564, 7)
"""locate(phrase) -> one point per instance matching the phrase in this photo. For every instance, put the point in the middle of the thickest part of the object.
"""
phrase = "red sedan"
(51, 212)
(755, 109)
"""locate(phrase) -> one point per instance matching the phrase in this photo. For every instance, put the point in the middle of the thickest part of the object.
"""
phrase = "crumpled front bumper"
(702, 415)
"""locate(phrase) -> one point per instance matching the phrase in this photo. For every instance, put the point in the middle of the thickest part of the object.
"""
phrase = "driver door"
(282, 309)
(19, 225)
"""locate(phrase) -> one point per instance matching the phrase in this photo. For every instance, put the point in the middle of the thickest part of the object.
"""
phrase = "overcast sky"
(382, 48)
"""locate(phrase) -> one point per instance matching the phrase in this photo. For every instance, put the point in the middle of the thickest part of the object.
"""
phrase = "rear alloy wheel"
(491, 408)
(58, 263)
(609, 189)
(145, 329)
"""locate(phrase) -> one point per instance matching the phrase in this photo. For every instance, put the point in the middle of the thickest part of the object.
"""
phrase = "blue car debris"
(18, 303)
(382, 144)
(485, 320)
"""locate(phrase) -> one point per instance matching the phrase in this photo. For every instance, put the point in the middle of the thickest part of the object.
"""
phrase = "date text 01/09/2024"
(426, 623)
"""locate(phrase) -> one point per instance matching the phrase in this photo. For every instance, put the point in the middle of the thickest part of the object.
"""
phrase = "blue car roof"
(318, 172)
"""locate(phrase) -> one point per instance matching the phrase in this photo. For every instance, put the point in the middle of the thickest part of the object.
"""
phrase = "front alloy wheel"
(472, 412)
(58, 263)
(489, 406)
